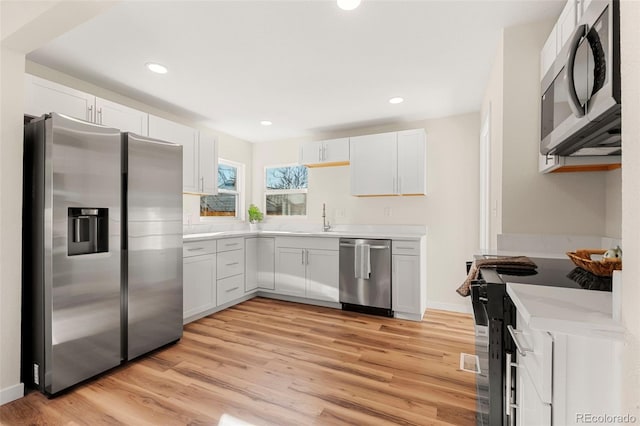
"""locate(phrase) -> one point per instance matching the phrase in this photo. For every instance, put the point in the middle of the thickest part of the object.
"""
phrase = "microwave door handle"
(574, 103)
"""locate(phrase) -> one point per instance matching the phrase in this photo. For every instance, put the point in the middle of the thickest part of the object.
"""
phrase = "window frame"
(239, 193)
(284, 191)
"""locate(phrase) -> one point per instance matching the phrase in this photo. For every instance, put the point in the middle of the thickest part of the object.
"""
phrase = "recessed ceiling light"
(348, 4)
(266, 123)
(396, 100)
(157, 68)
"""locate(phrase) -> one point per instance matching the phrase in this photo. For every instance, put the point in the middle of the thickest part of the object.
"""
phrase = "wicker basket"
(602, 268)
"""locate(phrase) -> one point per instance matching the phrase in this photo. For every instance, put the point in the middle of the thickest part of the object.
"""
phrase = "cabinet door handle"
(404, 248)
(100, 114)
(231, 244)
(195, 249)
(307, 255)
(232, 289)
(324, 153)
(231, 264)
(522, 350)
(90, 113)
(302, 258)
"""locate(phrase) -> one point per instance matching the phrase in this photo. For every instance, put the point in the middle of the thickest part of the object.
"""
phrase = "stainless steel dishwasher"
(365, 275)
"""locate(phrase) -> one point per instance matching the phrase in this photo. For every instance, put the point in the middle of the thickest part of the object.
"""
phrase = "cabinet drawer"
(230, 289)
(230, 263)
(405, 247)
(538, 356)
(227, 244)
(319, 243)
(198, 248)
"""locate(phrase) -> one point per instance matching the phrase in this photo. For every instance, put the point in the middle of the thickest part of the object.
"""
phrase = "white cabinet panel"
(266, 263)
(250, 264)
(411, 162)
(322, 275)
(230, 263)
(332, 152)
(43, 96)
(229, 289)
(290, 271)
(531, 410)
(199, 284)
(406, 285)
(169, 131)
(374, 164)
(208, 164)
(121, 117)
(548, 53)
(310, 152)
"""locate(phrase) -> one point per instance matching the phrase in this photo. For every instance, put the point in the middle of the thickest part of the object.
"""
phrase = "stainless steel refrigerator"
(87, 259)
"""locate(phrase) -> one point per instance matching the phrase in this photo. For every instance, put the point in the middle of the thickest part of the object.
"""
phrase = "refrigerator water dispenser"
(88, 230)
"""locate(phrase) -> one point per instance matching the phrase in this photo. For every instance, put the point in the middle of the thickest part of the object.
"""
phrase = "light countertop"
(362, 232)
(566, 310)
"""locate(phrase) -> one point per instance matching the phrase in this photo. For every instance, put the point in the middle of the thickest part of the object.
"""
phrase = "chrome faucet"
(326, 226)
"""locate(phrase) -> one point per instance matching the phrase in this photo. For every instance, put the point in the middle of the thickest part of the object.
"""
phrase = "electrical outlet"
(340, 213)
(387, 211)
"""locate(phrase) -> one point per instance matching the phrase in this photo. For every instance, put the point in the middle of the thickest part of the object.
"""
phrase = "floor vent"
(469, 363)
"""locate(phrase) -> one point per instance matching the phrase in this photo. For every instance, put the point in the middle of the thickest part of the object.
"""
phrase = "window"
(227, 203)
(286, 191)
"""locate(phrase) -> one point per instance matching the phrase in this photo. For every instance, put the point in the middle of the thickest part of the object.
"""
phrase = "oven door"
(481, 327)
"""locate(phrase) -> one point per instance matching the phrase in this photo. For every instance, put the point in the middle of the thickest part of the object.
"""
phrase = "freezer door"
(81, 291)
(154, 243)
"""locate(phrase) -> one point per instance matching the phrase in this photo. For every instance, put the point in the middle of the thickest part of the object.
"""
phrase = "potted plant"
(255, 216)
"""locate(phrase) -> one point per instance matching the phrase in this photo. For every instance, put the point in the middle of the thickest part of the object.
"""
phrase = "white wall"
(630, 70)
(530, 202)
(450, 210)
(613, 210)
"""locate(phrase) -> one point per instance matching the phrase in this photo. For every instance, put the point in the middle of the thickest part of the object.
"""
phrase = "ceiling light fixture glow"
(348, 4)
(157, 68)
(396, 100)
(266, 123)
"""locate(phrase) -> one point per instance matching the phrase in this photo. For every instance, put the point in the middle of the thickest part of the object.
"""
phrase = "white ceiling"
(307, 66)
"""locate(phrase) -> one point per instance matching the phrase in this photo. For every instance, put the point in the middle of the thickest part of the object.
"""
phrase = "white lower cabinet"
(290, 271)
(531, 410)
(322, 275)
(405, 293)
(199, 284)
(307, 267)
(408, 279)
(259, 263)
(230, 289)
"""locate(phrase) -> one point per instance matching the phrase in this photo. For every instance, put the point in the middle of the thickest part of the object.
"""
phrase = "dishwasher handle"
(370, 246)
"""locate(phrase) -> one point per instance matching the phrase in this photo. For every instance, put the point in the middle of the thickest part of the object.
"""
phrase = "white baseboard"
(11, 393)
(453, 307)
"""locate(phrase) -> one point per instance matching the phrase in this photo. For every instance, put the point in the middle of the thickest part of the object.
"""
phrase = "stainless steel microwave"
(581, 91)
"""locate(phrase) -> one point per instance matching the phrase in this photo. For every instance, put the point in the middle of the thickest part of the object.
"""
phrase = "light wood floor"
(269, 362)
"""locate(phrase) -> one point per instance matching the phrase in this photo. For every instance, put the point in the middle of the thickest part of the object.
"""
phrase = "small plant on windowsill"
(255, 216)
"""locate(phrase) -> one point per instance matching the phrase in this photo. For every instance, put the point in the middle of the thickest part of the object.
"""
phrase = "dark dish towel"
(514, 262)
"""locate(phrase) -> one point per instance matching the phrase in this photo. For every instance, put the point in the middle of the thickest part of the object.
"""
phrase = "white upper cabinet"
(121, 117)
(411, 162)
(43, 96)
(199, 154)
(548, 53)
(169, 131)
(332, 152)
(389, 164)
(208, 164)
(374, 164)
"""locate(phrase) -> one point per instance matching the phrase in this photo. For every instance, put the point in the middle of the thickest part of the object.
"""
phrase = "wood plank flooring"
(268, 362)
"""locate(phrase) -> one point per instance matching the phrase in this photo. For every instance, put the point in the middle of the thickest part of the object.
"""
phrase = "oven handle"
(522, 350)
(510, 406)
(574, 103)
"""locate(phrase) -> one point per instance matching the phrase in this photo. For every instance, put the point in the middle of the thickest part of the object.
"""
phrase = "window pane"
(294, 177)
(218, 205)
(286, 204)
(227, 177)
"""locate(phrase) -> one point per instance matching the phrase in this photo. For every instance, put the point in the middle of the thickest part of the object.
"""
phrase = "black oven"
(493, 311)
(580, 108)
